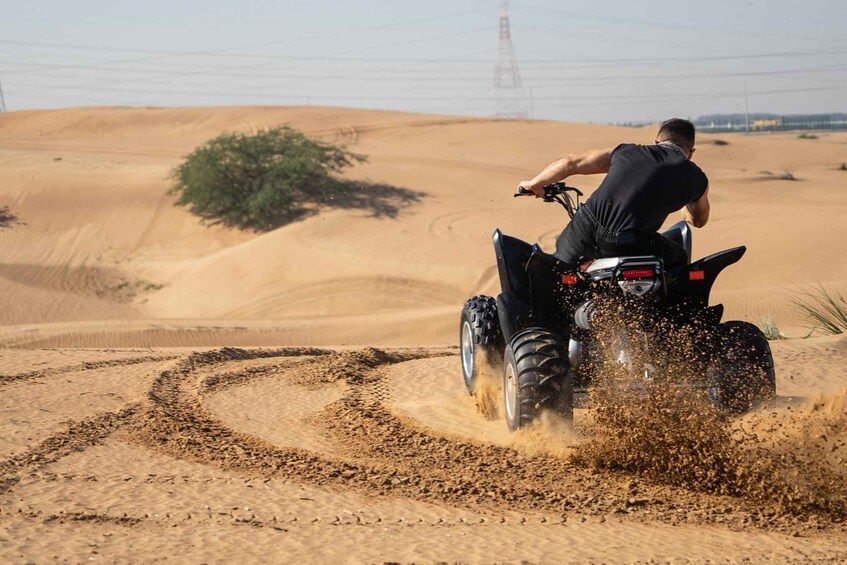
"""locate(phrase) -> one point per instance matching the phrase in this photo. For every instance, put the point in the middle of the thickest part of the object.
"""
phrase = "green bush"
(259, 181)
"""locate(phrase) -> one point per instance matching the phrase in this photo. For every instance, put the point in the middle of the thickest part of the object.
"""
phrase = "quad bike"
(543, 326)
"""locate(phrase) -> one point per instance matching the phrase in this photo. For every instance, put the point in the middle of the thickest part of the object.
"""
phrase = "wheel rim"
(510, 391)
(467, 352)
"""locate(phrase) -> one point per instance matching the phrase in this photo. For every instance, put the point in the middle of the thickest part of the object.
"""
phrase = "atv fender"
(533, 294)
(551, 301)
(693, 284)
(680, 233)
(512, 257)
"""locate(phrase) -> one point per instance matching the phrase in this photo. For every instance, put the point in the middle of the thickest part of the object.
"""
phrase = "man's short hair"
(678, 131)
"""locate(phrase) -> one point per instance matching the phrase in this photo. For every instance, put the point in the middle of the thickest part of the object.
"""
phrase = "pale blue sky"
(580, 61)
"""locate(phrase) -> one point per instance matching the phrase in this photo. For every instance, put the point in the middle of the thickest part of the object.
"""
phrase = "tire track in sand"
(374, 451)
(77, 436)
(378, 453)
(84, 366)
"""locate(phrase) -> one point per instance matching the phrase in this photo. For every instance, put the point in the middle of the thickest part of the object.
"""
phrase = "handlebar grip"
(522, 192)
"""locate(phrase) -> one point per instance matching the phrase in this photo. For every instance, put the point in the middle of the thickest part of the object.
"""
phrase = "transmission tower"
(507, 79)
(2, 100)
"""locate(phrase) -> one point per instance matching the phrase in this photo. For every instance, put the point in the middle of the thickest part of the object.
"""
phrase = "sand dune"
(91, 185)
(126, 437)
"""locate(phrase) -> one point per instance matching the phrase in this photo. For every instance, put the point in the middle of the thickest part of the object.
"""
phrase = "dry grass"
(770, 329)
(787, 174)
(827, 311)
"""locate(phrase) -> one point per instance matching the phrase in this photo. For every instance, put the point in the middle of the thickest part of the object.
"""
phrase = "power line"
(229, 51)
(430, 75)
(442, 105)
(338, 57)
(682, 27)
(169, 74)
(838, 50)
(335, 95)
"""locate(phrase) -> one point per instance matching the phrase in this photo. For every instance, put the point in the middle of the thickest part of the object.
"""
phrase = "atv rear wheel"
(480, 338)
(536, 377)
(745, 370)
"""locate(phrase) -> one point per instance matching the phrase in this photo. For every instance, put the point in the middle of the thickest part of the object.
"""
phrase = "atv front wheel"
(480, 338)
(535, 377)
(745, 370)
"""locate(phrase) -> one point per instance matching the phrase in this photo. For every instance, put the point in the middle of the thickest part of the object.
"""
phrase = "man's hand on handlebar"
(525, 188)
(547, 192)
(556, 192)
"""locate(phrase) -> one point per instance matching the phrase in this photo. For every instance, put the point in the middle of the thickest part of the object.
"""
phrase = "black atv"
(542, 326)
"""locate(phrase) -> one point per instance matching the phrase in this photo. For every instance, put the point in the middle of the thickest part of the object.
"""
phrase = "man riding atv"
(616, 291)
(643, 185)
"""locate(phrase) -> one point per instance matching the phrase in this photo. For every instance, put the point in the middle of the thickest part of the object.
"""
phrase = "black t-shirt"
(644, 185)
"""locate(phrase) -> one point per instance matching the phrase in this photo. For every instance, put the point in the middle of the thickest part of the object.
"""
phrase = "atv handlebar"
(550, 191)
(557, 192)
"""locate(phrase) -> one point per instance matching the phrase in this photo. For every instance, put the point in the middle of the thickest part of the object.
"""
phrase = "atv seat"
(680, 233)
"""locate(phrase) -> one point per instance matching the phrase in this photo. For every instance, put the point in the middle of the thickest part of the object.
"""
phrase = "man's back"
(645, 183)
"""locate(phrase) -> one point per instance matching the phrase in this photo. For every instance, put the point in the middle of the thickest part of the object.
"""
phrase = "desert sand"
(172, 390)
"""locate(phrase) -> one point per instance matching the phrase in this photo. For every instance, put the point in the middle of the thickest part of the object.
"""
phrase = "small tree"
(258, 181)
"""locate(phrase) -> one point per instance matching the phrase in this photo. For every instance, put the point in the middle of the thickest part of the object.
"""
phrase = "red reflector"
(569, 279)
(639, 274)
(696, 275)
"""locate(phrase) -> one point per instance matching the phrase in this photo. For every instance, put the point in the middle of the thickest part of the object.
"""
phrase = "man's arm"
(697, 213)
(586, 163)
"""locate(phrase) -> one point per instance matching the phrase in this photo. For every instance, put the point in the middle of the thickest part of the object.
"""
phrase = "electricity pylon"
(511, 102)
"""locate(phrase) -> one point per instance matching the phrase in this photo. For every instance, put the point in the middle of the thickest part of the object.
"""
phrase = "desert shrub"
(720, 142)
(843, 167)
(827, 311)
(259, 181)
(787, 175)
(807, 136)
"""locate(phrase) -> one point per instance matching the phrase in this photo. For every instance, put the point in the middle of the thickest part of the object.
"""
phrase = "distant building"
(720, 123)
(772, 123)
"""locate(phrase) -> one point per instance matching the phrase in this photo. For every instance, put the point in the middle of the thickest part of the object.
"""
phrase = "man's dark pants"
(584, 238)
